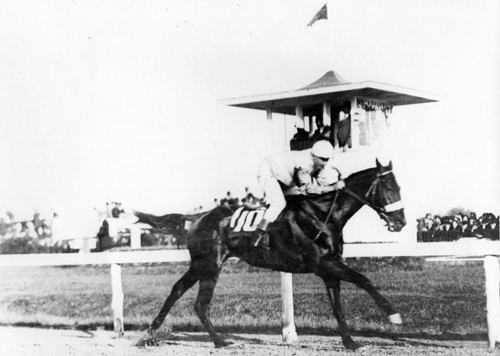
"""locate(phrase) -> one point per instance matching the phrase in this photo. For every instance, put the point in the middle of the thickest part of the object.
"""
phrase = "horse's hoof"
(147, 341)
(222, 343)
(395, 319)
(351, 344)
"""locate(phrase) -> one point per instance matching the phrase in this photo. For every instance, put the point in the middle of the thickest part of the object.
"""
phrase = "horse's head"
(384, 197)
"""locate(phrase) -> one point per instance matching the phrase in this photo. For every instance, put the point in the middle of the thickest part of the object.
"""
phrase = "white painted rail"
(95, 258)
(470, 249)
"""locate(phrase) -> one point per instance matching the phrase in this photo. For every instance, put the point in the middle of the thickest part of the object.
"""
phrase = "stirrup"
(262, 240)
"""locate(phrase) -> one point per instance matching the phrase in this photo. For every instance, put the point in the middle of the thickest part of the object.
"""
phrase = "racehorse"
(306, 238)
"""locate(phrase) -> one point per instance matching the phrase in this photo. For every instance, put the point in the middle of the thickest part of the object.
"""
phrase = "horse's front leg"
(333, 290)
(329, 268)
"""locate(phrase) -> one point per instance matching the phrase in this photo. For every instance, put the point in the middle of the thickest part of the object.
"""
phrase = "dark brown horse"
(306, 238)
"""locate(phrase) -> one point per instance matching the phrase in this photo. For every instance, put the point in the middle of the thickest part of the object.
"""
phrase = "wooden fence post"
(492, 284)
(117, 299)
(135, 237)
(288, 332)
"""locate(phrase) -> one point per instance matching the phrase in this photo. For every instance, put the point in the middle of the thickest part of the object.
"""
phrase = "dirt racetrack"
(35, 341)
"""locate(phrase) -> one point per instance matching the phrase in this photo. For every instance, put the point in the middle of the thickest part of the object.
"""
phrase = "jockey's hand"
(313, 189)
(340, 184)
(295, 191)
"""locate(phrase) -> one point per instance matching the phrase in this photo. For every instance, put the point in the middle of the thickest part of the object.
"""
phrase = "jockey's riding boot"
(262, 235)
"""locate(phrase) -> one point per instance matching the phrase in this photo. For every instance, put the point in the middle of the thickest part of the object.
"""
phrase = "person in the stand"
(322, 132)
(115, 212)
(344, 131)
(293, 173)
(249, 199)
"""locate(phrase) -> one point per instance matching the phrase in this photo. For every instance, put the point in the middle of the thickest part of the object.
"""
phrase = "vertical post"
(369, 133)
(85, 245)
(354, 123)
(335, 127)
(288, 332)
(269, 114)
(327, 114)
(299, 113)
(492, 284)
(117, 299)
(382, 130)
(135, 236)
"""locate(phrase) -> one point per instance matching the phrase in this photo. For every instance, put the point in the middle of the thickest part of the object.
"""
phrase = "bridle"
(370, 196)
(369, 199)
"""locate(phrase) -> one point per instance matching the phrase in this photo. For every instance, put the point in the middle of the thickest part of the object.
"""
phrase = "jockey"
(296, 172)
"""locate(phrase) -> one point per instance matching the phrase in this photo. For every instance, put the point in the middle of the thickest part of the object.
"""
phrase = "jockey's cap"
(322, 149)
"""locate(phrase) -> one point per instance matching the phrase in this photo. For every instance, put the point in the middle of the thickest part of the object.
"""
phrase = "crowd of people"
(112, 210)
(432, 228)
(248, 199)
(34, 235)
(303, 139)
(38, 227)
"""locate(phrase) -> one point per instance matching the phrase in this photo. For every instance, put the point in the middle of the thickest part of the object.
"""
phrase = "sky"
(122, 100)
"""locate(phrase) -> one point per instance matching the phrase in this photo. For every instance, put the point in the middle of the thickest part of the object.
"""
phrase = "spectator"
(248, 197)
(108, 210)
(117, 210)
(344, 130)
(104, 241)
(464, 229)
(232, 202)
(322, 132)
(493, 231)
(10, 216)
(37, 222)
(455, 229)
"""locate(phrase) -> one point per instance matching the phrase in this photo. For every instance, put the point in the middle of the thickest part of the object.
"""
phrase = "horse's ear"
(379, 165)
(390, 165)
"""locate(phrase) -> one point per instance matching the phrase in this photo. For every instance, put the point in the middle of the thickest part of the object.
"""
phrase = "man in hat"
(296, 172)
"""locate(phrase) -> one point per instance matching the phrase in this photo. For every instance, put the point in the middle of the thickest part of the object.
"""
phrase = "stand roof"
(331, 87)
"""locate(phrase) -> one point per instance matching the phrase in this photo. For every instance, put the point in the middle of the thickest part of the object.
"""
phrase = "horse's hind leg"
(202, 306)
(333, 290)
(182, 285)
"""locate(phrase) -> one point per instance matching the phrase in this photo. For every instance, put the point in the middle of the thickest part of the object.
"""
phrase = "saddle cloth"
(245, 220)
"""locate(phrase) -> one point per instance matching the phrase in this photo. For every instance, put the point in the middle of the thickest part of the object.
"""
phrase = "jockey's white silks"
(274, 194)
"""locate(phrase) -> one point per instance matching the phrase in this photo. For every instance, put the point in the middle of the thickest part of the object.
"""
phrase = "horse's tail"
(159, 222)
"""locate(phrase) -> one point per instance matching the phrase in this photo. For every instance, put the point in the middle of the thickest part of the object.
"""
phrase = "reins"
(327, 216)
(369, 194)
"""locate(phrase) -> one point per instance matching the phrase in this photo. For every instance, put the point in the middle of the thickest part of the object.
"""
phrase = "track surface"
(35, 341)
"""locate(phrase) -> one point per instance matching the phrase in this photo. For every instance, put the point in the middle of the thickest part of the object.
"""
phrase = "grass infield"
(436, 300)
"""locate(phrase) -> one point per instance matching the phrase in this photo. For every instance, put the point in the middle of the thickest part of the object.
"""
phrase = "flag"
(322, 14)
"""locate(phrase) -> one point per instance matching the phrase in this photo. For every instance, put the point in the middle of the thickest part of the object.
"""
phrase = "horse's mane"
(359, 177)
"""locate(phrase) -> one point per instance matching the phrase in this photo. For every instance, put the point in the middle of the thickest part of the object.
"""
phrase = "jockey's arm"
(315, 188)
(306, 184)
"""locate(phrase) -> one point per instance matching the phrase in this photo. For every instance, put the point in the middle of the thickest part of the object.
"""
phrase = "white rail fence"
(473, 250)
